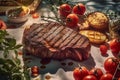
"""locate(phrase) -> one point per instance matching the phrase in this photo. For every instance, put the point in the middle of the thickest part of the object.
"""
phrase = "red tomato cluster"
(71, 14)
(114, 46)
(110, 65)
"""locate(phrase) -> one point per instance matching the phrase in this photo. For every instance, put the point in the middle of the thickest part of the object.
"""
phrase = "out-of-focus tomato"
(64, 10)
(90, 77)
(2, 25)
(79, 9)
(110, 64)
(80, 72)
(35, 15)
(106, 76)
(96, 72)
(72, 20)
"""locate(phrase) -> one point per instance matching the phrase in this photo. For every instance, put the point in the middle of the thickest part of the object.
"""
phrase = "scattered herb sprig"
(11, 68)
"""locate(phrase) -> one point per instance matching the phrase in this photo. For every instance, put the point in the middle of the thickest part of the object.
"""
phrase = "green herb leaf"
(6, 52)
(10, 67)
(16, 53)
(26, 73)
(6, 43)
(17, 76)
(1, 49)
(11, 41)
(2, 61)
(3, 71)
(11, 62)
(17, 61)
(7, 67)
(17, 46)
(16, 69)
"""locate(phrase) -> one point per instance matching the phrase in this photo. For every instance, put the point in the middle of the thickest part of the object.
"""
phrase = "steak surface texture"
(55, 41)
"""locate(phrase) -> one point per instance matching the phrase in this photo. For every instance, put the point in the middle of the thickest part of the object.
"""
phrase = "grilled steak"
(53, 40)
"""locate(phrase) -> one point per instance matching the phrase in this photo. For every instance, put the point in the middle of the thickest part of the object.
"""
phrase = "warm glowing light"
(25, 9)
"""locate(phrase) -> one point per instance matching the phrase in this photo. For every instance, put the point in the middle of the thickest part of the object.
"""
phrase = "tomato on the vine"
(79, 9)
(106, 76)
(90, 77)
(80, 72)
(96, 72)
(72, 20)
(110, 64)
(64, 10)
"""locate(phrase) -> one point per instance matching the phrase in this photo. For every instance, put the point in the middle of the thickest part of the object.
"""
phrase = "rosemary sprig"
(53, 7)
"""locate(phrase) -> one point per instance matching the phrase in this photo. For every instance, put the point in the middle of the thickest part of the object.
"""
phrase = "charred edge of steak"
(77, 54)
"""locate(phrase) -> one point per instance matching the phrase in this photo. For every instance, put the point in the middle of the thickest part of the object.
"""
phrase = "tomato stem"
(117, 69)
(115, 60)
(79, 66)
(69, 19)
(79, 8)
(96, 73)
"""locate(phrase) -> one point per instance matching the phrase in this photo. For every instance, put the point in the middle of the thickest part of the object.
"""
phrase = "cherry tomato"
(35, 15)
(64, 10)
(115, 46)
(90, 77)
(79, 9)
(96, 72)
(2, 25)
(35, 69)
(103, 49)
(72, 20)
(80, 72)
(110, 64)
(106, 76)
